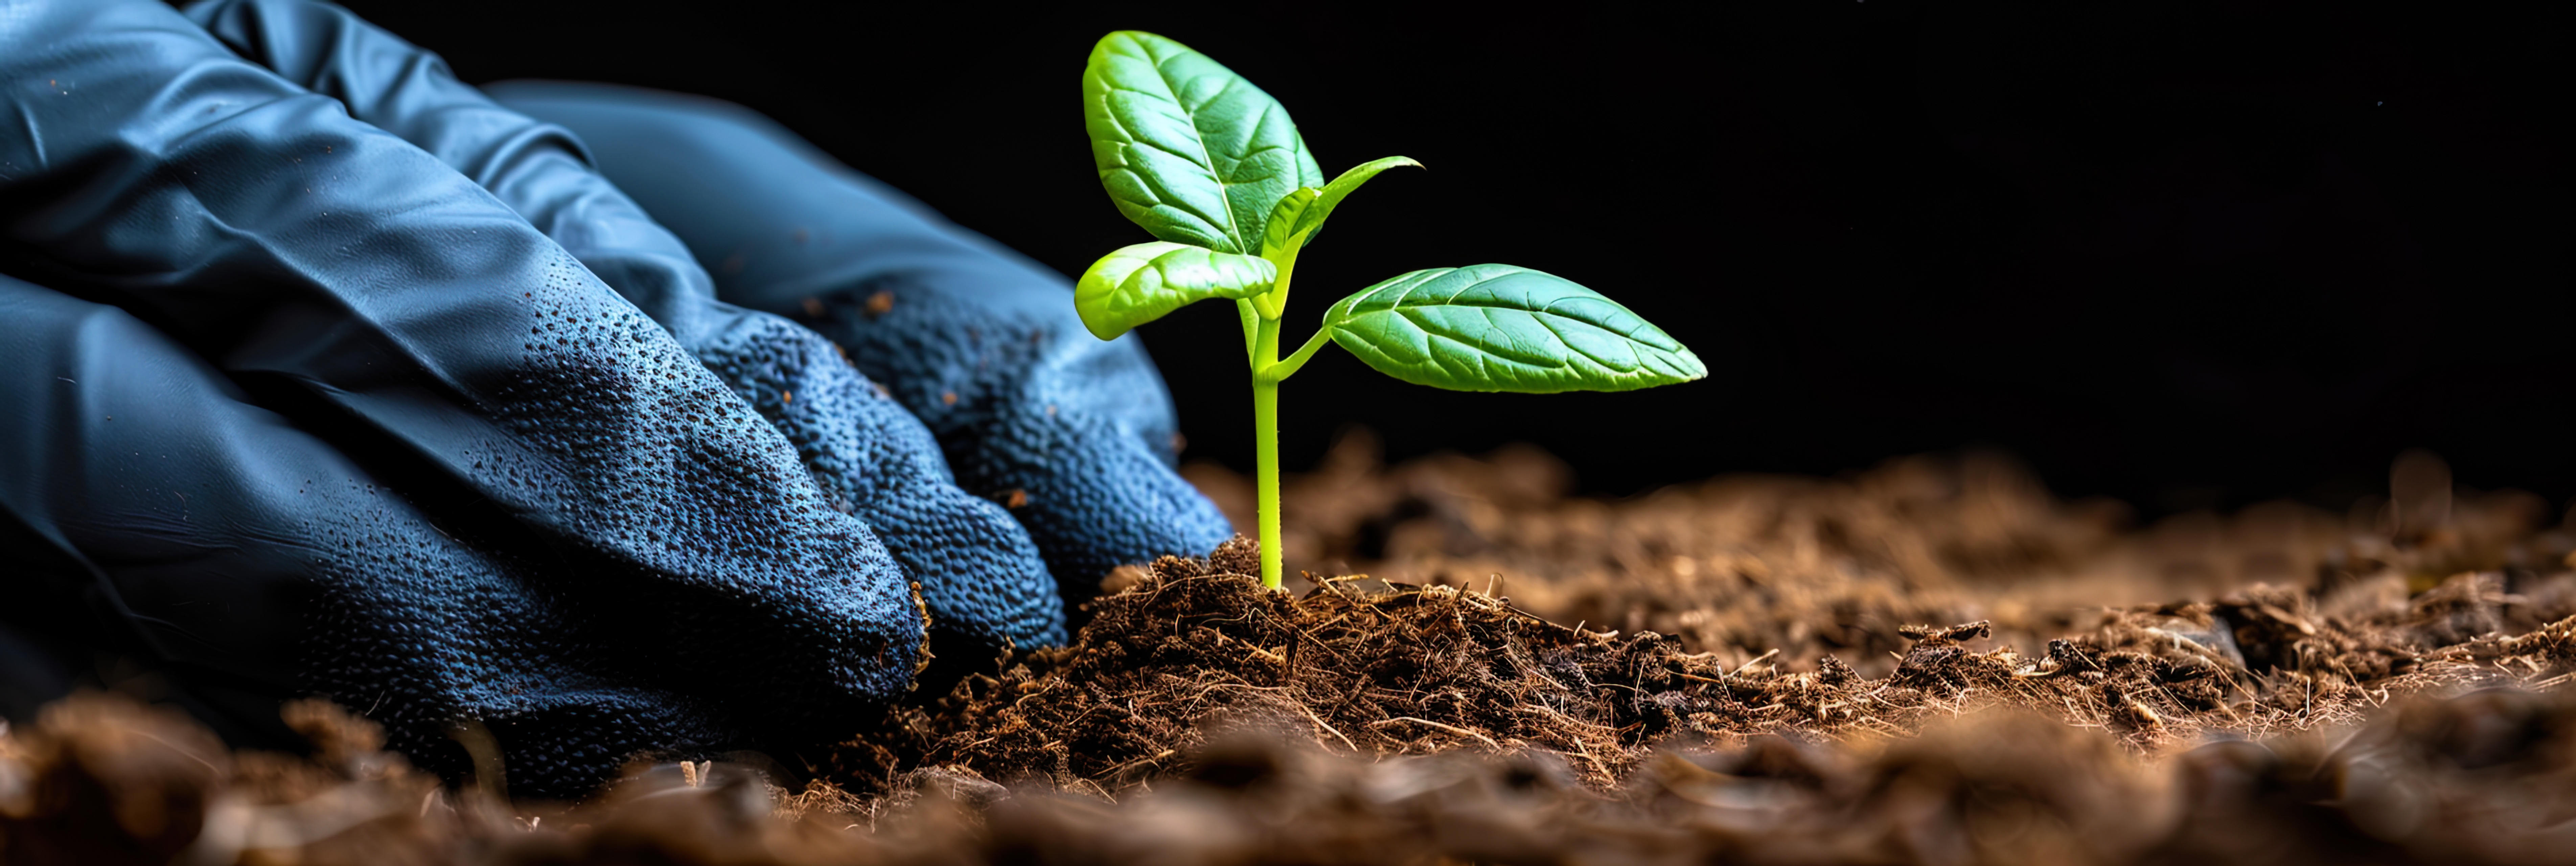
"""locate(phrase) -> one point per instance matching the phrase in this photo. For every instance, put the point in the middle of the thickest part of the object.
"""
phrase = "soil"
(1931, 662)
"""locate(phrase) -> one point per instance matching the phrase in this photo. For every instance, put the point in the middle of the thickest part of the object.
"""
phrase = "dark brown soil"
(1932, 662)
(1395, 669)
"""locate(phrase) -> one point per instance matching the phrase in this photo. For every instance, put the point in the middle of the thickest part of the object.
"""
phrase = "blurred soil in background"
(1931, 662)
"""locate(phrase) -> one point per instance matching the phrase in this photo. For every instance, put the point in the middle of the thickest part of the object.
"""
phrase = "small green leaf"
(1283, 219)
(1310, 218)
(1188, 149)
(1144, 282)
(1503, 328)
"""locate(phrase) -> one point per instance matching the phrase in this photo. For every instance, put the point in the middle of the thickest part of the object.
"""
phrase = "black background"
(2183, 256)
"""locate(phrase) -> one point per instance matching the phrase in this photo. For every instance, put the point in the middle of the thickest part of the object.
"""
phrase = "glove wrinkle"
(539, 170)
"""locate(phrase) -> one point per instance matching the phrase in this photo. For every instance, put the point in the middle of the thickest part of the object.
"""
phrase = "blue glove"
(980, 575)
(1074, 435)
(291, 405)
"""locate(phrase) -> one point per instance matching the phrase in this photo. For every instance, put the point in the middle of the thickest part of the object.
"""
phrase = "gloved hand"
(559, 527)
(981, 344)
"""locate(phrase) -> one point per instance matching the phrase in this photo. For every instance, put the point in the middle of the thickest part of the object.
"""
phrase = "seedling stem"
(1265, 433)
(1267, 372)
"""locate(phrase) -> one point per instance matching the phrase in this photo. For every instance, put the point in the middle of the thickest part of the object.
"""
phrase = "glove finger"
(979, 573)
(981, 344)
(263, 229)
(161, 517)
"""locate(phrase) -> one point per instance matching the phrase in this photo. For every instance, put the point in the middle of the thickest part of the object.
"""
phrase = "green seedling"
(1213, 168)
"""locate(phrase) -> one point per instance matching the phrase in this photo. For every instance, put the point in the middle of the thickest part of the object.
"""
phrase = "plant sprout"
(1213, 168)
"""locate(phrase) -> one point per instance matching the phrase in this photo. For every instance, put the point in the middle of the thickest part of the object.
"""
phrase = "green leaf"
(1144, 282)
(1504, 328)
(1283, 219)
(1188, 149)
(1310, 218)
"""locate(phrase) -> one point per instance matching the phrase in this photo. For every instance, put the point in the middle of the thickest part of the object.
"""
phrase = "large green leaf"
(1144, 282)
(1503, 328)
(1188, 149)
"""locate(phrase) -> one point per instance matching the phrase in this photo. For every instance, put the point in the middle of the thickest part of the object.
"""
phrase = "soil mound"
(1193, 646)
